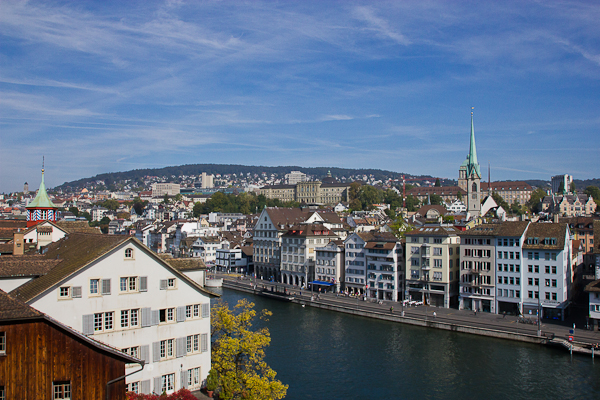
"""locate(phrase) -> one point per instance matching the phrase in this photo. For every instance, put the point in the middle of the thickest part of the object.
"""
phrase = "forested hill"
(223, 169)
(579, 184)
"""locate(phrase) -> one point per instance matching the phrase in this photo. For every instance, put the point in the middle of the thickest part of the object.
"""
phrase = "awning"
(321, 283)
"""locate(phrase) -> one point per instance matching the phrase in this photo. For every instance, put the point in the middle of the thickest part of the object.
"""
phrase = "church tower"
(41, 208)
(469, 176)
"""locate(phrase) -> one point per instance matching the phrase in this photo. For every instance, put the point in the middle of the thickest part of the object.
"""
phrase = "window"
(537, 281)
(167, 315)
(547, 269)
(64, 292)
(61, 390)
(94, 284)
(554, 255)
(194, 377)
(193, 343)
(133, 387)
(128, 253)
(129, 284)
(437, 251)
(553, 282)
(547, 282)
(547, 295)
(171, 283)
(166, 348)
(103, 321)
(2, 394)
(537, 269)
(530, 281)
(168, 382)
(2, 343)
(132, 351)
(130, 318)
(554, 297)
(554, 269)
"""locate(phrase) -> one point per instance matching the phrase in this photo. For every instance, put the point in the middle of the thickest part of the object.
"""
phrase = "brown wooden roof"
(13, 309)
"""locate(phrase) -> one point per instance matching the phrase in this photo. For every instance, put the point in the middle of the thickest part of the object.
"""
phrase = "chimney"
(19, 245)
(555, 219)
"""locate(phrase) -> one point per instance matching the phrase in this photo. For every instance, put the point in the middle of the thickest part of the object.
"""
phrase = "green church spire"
(472, 164)
(41, 199)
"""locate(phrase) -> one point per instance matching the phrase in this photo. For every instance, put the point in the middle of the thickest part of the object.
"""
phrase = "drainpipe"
(122, 377)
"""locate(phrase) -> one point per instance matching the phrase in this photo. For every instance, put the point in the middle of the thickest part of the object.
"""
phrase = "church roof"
(472, 164)
(41, 199)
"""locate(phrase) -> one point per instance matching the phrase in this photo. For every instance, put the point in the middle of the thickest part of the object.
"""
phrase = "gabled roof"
(283, 218)
(434, 231)
(78, 226)
(513, 228)
(377, 236)
(482, 230)
(78, 250)
(25, 266)
(542, 231)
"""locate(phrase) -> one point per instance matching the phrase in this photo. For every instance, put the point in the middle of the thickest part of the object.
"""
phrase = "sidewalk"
(446, 315)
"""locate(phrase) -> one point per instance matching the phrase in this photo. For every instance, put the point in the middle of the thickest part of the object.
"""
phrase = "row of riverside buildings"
(515, 267)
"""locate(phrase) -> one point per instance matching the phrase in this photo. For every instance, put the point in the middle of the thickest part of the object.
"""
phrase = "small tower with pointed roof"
(41, 208)
(469, 176)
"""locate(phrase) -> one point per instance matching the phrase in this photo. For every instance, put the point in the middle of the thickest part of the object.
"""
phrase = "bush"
(182, 394)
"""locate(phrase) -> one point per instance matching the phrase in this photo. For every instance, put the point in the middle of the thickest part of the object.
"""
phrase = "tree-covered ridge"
(224, 169)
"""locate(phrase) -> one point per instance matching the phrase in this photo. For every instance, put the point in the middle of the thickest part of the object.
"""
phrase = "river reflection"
(327, 355)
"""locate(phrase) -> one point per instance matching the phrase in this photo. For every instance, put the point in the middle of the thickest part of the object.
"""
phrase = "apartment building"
(272, 224)
(547, 270)
(117, 291)
(329, 265)
(298, 252)
(432, 265)
(477, 268)
(510, 271)
(385, 266)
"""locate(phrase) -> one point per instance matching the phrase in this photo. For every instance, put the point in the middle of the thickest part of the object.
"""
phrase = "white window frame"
(97, 292)
(2, 343)
(61, 390)
(168, 382)
(128, 282)
(62, 290)
(129, 254)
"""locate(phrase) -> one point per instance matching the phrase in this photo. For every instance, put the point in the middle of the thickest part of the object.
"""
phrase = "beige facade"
(432, 265)
(160, 189)
(310, 192)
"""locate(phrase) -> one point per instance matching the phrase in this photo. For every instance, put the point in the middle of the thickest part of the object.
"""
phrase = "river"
(327, 355)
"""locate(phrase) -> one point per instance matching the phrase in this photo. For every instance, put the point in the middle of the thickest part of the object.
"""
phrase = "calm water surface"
(327, 355)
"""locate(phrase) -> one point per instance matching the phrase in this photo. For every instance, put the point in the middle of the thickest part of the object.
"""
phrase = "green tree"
(561, 188)
(238, 353)
(353, 191)
(400, 227)
(111, 204)
(436, 200)
(535, 201)
(86, 215)
(573, 187)
(75, 211)
(412, 203)
(437, 182)
(515, 208)
(369, 195)
(139, 205)
(594, 192)
(459, 196)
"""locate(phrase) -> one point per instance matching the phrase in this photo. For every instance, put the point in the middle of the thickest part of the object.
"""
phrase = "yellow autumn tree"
(238, 354)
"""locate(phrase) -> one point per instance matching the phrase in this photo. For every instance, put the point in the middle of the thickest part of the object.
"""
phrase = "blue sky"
(118, 85)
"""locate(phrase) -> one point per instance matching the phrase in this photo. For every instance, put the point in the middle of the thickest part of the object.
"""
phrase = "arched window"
(128, 253)
(474, 187)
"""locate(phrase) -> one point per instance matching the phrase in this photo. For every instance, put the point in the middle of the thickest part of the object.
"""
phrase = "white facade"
(131, 300)
(294, 177)
(355, 268)
(329, 265)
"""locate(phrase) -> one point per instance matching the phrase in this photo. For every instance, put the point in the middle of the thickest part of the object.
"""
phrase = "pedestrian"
(475, 312)
(503, 314)
(434, 315)
(391, 310)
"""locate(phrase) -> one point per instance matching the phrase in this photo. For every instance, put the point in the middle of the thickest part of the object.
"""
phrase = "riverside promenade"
(483, 324)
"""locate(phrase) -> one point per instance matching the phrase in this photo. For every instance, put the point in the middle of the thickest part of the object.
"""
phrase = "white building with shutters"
(117, 291)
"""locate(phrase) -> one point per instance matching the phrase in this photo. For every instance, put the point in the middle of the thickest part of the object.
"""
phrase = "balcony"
(426, 267)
